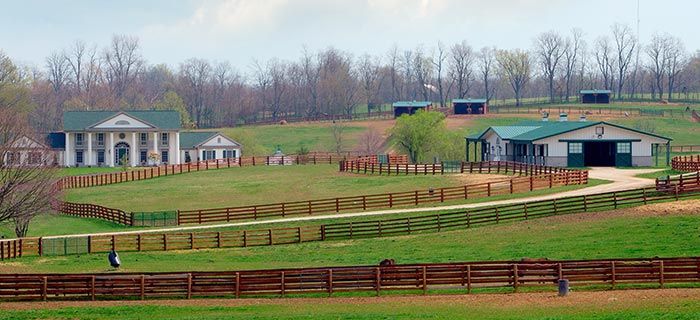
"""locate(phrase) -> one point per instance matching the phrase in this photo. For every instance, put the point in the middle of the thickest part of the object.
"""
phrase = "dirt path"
(614, 298)
(623, 179)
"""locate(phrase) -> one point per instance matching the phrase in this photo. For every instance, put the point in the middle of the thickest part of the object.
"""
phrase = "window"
(575, 147)
(79, 156)
(34, 157)
(122, 123)
(624, 147)
(143, 139)
(209, 155)
(218, 140)
(229, 153)
(100, 139)
(143, 156)
(164, 139)
(188, 159)
(164, 156)
(78, 139)
(599, 130)
(100, 157)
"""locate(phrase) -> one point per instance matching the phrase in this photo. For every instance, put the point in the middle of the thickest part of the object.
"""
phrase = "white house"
(199, 146)
(110, 138)
(27, 151)
(568, 143)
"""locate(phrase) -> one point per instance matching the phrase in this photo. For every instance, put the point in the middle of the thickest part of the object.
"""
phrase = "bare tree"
(58, 69)
(461, 61)
(423, 69)
(409, 92)
(123, 62)
(487, 59)
(371, 141)
(194, 76)
(338, 129)
(27, 184)
(677, 60)
(370, 77)
(550, 48)
(312, 75)
(603, 55)
(396, 87)
(658, 52)
(438, 63)
(514, 66)
(571, 58)
(625, 44)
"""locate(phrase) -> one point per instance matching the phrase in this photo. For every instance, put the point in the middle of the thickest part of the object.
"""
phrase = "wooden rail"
(92, 180)
(453, 220)
(86, 210)
(686, 163)
(419, 278)
(683, 181)
(506, 167)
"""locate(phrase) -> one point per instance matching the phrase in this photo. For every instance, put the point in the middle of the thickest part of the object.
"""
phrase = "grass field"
(252, 185)
(641, 304)
(656, 230)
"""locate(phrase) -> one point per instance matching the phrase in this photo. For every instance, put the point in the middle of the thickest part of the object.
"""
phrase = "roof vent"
(582, 118)
(563, 117)
(545, 116)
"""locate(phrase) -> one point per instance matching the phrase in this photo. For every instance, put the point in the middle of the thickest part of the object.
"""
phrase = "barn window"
(624, 147)
(575, 147)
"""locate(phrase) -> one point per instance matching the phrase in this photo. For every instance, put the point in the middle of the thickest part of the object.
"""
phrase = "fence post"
(612, 274)
(238, 284)
(661, 273)
(44, 288)
(189, 286)
(330, 282)
(425, 280)
(515, 278)
(378, 280)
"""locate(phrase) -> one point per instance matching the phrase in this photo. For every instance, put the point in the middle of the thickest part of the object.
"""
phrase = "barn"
(566, 143)
(410, 107)
(595, 96)
(470, 106)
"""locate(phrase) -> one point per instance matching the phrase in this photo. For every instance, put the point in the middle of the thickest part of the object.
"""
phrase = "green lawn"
(580, 236)
(653, 307)
(249, 185)
(263, 140)
(73, 171)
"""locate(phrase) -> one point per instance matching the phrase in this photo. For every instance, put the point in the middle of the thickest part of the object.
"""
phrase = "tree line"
(326, 82)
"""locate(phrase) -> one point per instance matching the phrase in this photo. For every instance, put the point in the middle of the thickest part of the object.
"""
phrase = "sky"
(239, 31)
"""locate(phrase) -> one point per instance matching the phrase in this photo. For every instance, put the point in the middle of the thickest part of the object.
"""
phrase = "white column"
(66, 156)
(89, 150)
(177, 148)
(134, 150)
(109, 148)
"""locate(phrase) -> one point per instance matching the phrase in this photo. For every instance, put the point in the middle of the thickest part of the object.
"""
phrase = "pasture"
(654, 230)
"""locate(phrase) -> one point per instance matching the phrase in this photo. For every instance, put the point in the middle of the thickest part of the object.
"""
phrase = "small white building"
(134, 138)
(568, 143)
(200, 146)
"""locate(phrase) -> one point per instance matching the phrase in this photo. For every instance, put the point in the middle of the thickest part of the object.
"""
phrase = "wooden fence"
(92, 180)
(505, 167)
(419, 278)
(686, 163)
(453, 220)
(383, 201)
(575, 110)
(86, 210)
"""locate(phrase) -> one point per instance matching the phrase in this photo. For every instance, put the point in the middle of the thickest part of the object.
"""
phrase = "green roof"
(529, 131)
(412, 104)
(189, 140)
(468, 100)
(192, 139)
(81, 120)
(595, 91)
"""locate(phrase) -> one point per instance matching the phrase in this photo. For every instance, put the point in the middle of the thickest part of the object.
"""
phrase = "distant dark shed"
(410, 107)
(470, 106)
(595, 96)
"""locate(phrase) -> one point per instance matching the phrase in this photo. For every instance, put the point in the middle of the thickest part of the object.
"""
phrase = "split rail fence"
(437, 222)
(498, 167)
(682, 181)
(417, 278)
(84, 181)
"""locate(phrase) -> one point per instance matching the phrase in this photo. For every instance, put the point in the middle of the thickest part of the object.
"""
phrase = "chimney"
(563, 117)
(545, 116)
(582, 118)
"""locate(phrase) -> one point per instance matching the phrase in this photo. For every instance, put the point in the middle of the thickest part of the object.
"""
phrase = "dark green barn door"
(623, 154)
(575, 154)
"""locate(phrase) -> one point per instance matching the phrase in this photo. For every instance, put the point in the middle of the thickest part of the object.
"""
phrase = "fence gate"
(155, 219)
(64, 246)
(452, 166)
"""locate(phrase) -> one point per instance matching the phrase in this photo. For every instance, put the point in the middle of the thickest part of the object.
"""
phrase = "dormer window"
(122, 123)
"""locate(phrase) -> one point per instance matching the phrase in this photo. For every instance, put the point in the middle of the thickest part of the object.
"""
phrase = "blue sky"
(240, 30)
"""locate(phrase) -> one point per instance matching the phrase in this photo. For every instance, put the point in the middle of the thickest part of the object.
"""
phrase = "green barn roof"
(81, 120)
(192, 139)
(412, 104)
(529, 131)
(596, 91)
(468, 100)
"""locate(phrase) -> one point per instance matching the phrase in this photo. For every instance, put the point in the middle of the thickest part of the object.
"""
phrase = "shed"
(470, 106)
(203, 146)
(410, 107)
(595, 96)
(568, 143)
